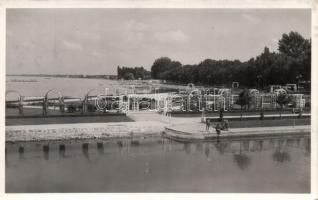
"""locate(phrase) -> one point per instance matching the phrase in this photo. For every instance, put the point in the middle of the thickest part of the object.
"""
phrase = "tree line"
(292, 63)
(129, 73)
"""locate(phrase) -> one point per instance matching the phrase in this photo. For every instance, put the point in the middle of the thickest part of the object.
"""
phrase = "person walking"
(208, 124)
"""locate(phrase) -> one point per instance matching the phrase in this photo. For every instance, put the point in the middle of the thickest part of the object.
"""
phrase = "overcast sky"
(96, 41)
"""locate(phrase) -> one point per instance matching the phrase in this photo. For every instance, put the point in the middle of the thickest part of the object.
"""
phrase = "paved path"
(144, 124)
(198, 131)
(258, 116)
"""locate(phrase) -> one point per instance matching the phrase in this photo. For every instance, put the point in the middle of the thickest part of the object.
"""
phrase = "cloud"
(72, 46)
(252, 19)
(176, 36)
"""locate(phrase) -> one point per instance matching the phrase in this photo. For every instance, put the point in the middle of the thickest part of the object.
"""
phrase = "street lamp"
(214, 99)
(298, 77)
(259, 77)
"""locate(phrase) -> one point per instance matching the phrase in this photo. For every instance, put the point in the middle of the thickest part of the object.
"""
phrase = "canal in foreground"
(160, 165)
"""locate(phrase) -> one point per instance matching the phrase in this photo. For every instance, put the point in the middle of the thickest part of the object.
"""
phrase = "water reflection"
(280, 156)
(307, 147)
(21, 153)
(152, 162)
(85, 151)
(199, 148)
(187, 148)
(120, 144)
(242, 161)
(147, 168)
(221, 147)
(246, 145)
(240, 150)
(62, 151)
(207, 151)
(134, 143)
(298, 142)
(261, 142)
(46, 151)
(100, 148)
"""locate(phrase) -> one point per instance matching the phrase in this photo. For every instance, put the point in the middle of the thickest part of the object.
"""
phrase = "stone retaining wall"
(82, 131)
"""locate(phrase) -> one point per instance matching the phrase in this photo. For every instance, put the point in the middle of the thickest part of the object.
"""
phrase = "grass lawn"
(67, 120)
(269, 122)
(231, 113)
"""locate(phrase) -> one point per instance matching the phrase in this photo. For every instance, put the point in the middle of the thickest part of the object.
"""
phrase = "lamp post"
(259, 77)
(298, 77)
(214, 99)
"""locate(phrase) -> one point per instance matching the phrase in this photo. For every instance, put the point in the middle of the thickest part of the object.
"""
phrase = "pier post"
(44, 106)
(21, 105)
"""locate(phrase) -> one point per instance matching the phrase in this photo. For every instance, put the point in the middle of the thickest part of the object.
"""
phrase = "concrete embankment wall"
(82, 131)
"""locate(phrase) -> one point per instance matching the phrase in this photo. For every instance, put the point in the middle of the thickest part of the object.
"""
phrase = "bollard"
(300, 114)
(221, 115)
(218, 129)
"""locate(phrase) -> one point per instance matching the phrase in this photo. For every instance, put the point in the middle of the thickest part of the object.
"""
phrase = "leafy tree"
(137, 72)
(293, 44)
(129, 76)
(282, 99)
(299, 50)
(159, 66)
(292, 60)
(243, 100)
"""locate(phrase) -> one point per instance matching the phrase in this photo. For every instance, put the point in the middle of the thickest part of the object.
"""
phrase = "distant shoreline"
(110, 77)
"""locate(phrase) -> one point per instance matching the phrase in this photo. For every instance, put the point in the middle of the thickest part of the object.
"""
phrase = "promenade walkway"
(142, 124)
(198, 131)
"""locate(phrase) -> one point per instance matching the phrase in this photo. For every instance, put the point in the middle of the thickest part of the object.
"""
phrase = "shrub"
(71, 108)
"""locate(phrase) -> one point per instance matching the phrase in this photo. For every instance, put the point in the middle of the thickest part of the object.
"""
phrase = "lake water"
(160, 165)
(75, 87)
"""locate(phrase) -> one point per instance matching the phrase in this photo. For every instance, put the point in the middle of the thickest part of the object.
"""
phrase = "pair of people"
(217, 126)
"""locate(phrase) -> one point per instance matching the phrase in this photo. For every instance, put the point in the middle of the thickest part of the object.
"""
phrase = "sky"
(96, 41)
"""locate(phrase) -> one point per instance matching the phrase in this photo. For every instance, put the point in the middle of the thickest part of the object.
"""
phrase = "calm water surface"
(160, 165)
(75, 87)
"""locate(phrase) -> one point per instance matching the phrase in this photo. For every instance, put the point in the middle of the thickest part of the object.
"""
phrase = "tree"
(243, 100)
(159, 66)
(129, 76)
(137, 72)
(298, 49)
(293, 59)
(282, 99)
(293, 44)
